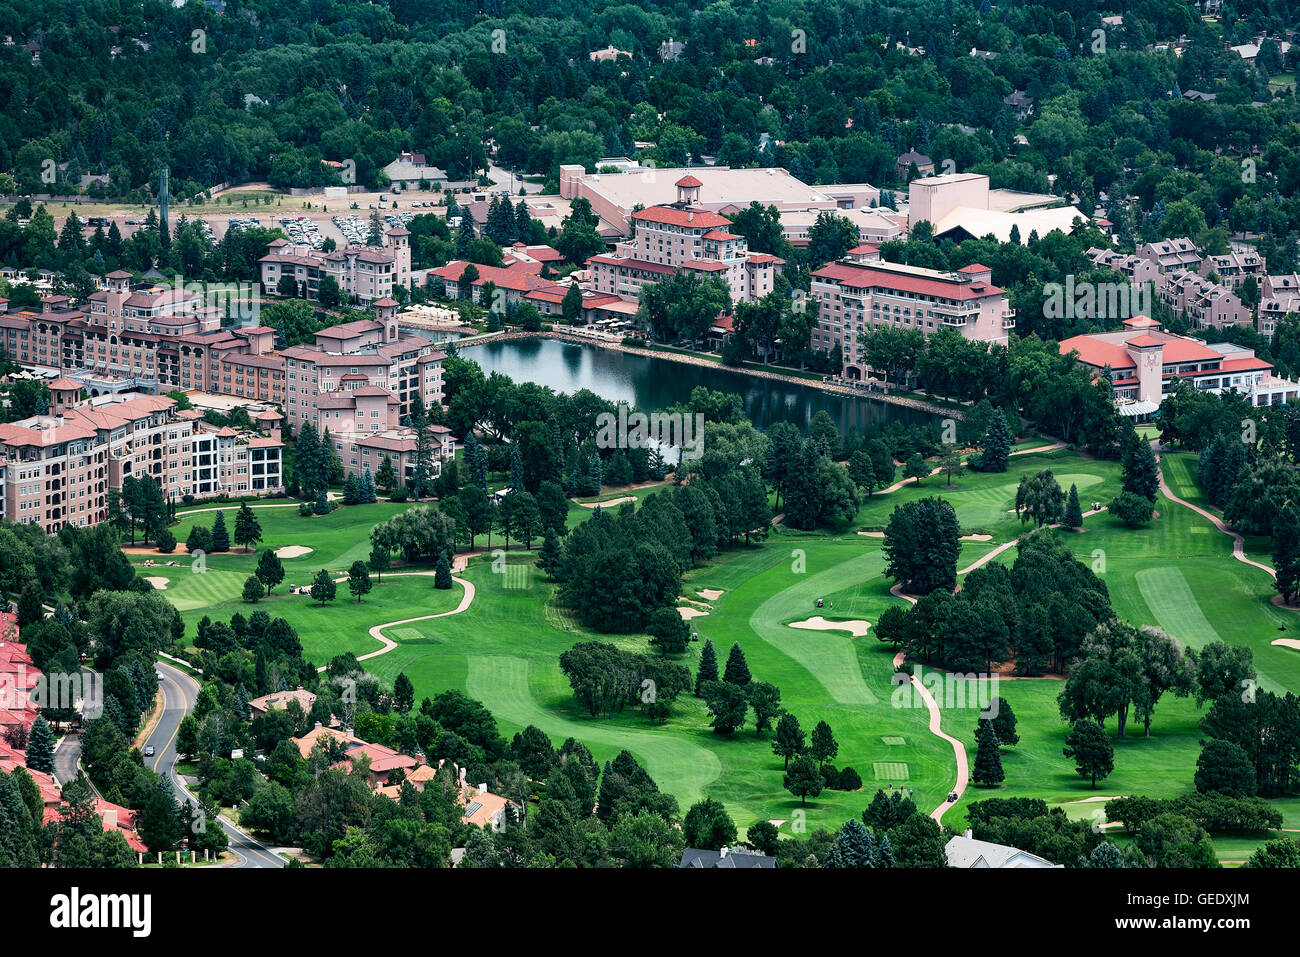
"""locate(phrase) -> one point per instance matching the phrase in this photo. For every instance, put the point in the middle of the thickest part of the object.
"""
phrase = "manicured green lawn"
(1177, 574)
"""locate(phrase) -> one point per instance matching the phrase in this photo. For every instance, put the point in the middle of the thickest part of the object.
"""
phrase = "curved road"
(180, 692)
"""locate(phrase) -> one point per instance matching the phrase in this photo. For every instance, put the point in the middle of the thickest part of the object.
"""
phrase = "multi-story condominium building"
(157, 337)
(59, 467)
(1206, 304)
(862, 291)
(683, 236)
(1171, 255)
(354, 355)
(1279, 295)
(1144, 364)
(1234, 267)
(1135, 268)
(363, 273)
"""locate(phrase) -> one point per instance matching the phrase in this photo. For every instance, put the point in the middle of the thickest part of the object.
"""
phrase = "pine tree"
(352, 490)
(322, 504)
(248, 530)
(1286, 551)
(708, 669)
(988, 758)
(1141, 474)
(306, 461)
(737, 670)
(40, 747)
(386, 477)
(822, 746)
(476, 460)
(220, 537)
(1073, 512)
(442, 576)
(359, 580)
(997, 445)
(368, 495)
(884, 852)
(516, 467)
(856, 846)
(270, 569)
(549, 556)
(789, 739)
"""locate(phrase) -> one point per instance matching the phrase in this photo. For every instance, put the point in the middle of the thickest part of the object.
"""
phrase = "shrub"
(400, 494)
(849, 780)
(166, 541)
(306, 509)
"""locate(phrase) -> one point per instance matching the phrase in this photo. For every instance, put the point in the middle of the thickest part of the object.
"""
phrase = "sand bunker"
(158, 582)
(817, 623)
(689, 613)
(977, 538)
(1288, 643)
(873, 534)
(712, 594)
(611, 502)
(293, 551)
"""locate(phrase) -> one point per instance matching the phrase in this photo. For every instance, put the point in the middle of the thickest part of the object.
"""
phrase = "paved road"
(180, 692)
(66, 757)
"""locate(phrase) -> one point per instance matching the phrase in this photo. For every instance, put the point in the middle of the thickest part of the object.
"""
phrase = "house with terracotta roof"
(363, 273)
(862, 291)
(1144, 363)
(279, 701)
(512, 282)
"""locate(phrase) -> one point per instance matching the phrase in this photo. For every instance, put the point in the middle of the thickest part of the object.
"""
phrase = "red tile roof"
(863, 276)
(676, 216)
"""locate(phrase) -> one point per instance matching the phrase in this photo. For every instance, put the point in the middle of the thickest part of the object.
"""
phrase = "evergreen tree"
(359, 580)
(368, 495)
(1286, 551)
(306, 461)
(997, 445)
(823, 746)
(442, 577)
(40, 746)
(1073, 511)
(549, 556)
(855, 845)
(352, 490)
(386, 476)
(804, 779)
(270, 569)
(1141, 475)
(248, 530)
(322, 506)
(253, 589)
(884, 852)
(1004, 724)
(220, 537)
(476, 460)
(380, 559)
(737, 670)
(988, 757)
(789, 739)
(323, 588)
(516, 467)
(1088, 745)
(708, 669)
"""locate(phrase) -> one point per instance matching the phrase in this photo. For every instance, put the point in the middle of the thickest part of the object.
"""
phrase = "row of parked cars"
(302, 231)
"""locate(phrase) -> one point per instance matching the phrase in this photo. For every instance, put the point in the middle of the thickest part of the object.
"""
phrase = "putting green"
(891, 770)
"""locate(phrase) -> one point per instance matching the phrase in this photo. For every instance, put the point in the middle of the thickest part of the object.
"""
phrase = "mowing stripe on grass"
(891, 770)
(1174, 606)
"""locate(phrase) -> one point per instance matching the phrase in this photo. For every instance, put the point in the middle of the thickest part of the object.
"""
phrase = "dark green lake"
(652, 383)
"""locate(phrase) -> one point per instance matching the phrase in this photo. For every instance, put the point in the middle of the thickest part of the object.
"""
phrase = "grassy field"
(504, 649)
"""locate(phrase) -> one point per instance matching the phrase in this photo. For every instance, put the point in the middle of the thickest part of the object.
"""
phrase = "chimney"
(723, 851)
(110, 818)
(968, 833)
(318, 724)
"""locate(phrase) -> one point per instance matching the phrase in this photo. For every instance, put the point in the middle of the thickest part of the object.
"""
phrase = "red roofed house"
(681, 235)
(1145, 363)
(862, 291)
